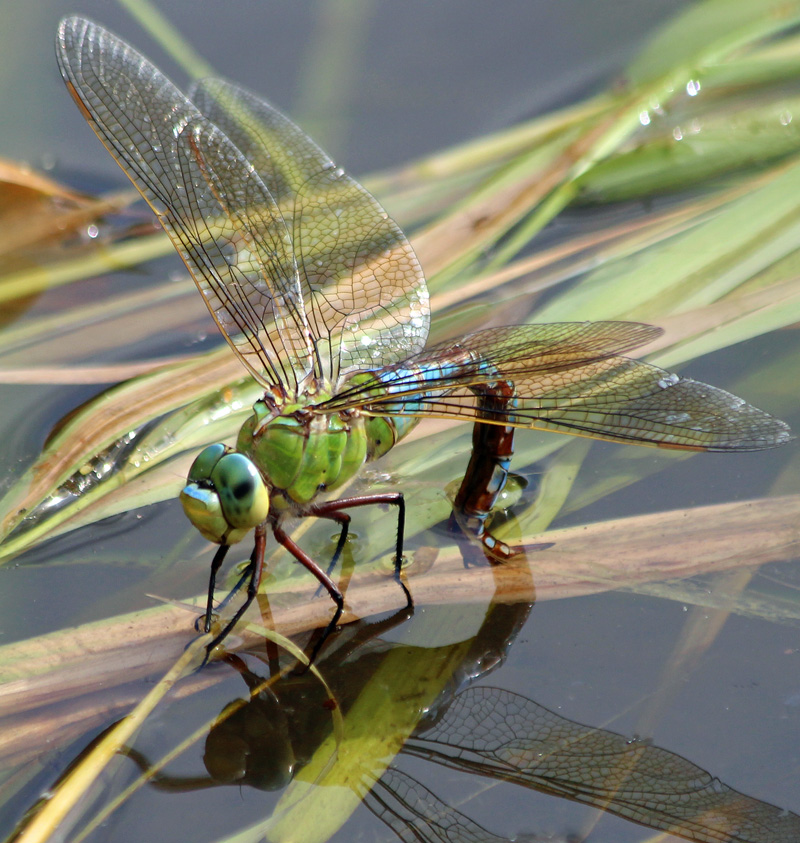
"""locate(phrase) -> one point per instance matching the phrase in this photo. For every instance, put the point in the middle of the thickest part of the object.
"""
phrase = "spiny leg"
(307, 562)
(245, 576)
(332, 510)
(216, 564)
(343, 520)
(254, 568)
(328, 508)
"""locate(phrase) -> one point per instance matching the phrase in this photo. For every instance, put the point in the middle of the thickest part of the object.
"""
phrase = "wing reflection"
(505, 736)
(415, 814)
(489, 732)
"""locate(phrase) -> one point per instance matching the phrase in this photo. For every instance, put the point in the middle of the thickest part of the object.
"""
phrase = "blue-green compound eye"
(225, 496)
(242, 494)
(204, 463)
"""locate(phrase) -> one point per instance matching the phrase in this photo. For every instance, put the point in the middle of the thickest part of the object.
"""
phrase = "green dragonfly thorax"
(302, 453)
(285, 456)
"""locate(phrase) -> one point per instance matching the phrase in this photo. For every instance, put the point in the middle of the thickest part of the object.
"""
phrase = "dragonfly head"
(225, 495)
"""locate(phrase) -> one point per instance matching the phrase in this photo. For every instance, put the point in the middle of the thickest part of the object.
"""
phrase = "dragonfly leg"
(325, 581)
(254, 569)
(235, 590)
(343, 520)
(327, 508)
(216, 564)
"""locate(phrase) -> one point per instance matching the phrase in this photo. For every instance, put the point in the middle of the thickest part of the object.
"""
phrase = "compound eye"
(205, 462)
(202, 508)
(242, 493)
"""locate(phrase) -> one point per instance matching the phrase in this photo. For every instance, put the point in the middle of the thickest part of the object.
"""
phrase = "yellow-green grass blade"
(678, 152)
(694, 268)
(709, 27)
(653, 88)
(585, 559)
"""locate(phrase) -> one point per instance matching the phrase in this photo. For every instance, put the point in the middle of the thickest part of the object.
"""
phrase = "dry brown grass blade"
(72, 789)
(35, 209)
(15, 173)
(111, 373)
(591, 244)
(468, 230)
(39, 674)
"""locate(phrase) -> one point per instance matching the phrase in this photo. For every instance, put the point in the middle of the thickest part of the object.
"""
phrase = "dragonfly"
(322, 298)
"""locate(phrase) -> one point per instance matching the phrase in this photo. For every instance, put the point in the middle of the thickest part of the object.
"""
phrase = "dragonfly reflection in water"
(480, 731)
(322, 298)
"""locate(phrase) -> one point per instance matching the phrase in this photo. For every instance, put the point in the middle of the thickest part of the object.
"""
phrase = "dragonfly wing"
(570, 378)
(243, 255)
(219, 215)
(416, 815)
(502, 735)
(364, 290)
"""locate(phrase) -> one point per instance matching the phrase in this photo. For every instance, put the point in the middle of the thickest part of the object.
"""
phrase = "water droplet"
(693, 87)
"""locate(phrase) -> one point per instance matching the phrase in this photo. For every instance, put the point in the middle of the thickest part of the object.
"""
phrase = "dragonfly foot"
(203, 625)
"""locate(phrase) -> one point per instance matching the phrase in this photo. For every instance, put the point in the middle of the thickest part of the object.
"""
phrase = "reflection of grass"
(715, 267)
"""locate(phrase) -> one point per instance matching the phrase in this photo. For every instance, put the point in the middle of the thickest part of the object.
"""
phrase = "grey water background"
(378, 84)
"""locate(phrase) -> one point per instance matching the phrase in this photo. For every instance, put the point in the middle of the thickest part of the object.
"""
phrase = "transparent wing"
(218, 213)
(503, 735)
(416, 815)
(567, 377)
(363, 288)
